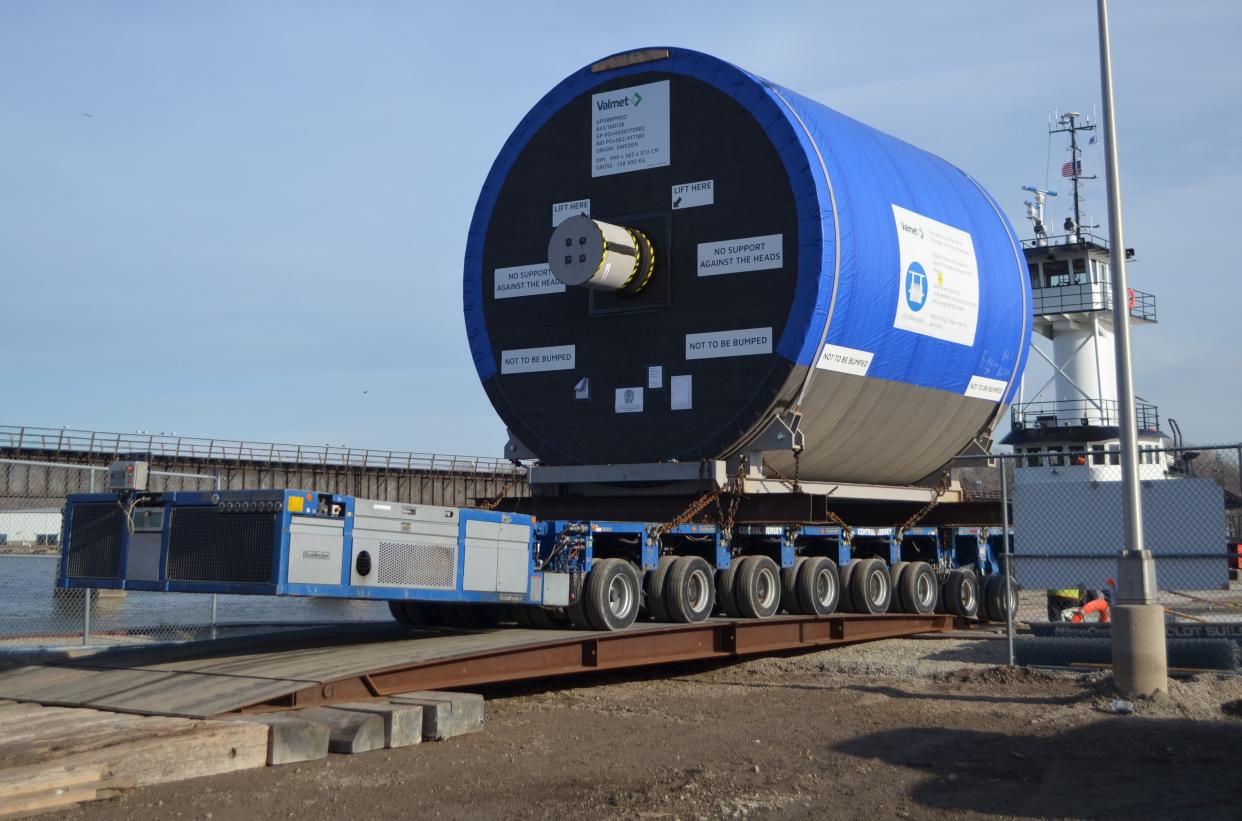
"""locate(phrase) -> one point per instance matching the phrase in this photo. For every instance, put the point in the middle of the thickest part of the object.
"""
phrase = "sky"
(247, 220)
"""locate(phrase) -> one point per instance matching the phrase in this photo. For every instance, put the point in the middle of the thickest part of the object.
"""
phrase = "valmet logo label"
(619, 102)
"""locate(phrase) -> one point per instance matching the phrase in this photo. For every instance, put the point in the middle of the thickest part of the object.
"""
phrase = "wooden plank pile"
(56, 757)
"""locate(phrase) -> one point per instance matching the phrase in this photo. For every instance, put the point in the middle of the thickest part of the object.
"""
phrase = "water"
(29, 606)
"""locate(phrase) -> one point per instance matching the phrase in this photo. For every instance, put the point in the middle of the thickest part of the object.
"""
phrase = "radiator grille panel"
(96, 533)
(208, 546)
(416, 565)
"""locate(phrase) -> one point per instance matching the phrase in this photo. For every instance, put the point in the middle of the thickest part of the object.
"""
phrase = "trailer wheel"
(690, 590)
(612, 592)
(521, 615)
(789, 588)
(577, 608)
(961, 594)
(542, 618)
(398, 611)
(846, 574)
(894, 579)
(424, 613)
(819, 586)
(472, 616)
(919, 588)
(726, 588)
(995, 602)
(871, 589)
(758, 587)
(654, 582)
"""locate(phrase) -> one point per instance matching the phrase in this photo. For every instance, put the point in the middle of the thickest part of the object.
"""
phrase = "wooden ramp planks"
(53, 757)
(358, 662)
(223, 679)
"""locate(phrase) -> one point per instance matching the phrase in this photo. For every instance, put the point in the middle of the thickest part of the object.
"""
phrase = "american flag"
(1071, 168)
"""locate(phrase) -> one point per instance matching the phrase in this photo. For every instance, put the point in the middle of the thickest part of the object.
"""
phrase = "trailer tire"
(398, 611)
(425, 613)
(871, 589)
(995, 601)
(819, 586)
(654, 582)
(894, 579)
(961, 594)
(576, 609)
(690, 590)
(521, 615)
(846, 574)
(472, 616)
(726, 588)
(920, 589)
(789, 587)
(542, 618)
(758, 587)
(612, 593)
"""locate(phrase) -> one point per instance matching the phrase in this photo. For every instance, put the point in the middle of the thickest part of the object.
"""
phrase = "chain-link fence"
(1066, 534)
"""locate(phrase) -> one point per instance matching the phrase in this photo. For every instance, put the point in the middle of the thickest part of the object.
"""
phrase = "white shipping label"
(715, 344)
(533, 360)
(629, 400)
(629, 129)
(734, 256)
(655, 377)
(981, 387)
(938, 281)
(562, 211)
(845, 360)
(694, 194)
(525, 280)
(681, 392)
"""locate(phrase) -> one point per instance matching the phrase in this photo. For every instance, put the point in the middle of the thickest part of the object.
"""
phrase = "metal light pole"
(1140, 666)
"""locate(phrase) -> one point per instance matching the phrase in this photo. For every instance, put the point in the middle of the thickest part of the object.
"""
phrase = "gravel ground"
(914, 728)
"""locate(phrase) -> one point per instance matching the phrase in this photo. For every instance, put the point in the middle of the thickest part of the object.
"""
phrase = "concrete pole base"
(1140, 664)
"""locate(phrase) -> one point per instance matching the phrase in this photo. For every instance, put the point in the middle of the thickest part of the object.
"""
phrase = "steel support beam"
(594, 652)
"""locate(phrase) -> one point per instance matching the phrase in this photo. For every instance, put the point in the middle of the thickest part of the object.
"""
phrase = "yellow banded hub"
(599, 255)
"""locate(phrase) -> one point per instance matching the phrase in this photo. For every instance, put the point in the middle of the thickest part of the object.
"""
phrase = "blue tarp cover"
(847, 177)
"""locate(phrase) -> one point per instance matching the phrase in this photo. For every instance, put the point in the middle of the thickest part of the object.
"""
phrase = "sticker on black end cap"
(694, 194)
(629, 400)
(533, 360)
(525, 280)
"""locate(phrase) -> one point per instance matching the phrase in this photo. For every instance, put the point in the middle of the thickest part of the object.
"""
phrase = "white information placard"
(532, 360)
(629, 129)
(655, 377)
(562, 211)
(981, 387)
(716, 344)
(938, 281)
(525, 280)
(845, 360)
(694, 194)
(734, 256)
(629, 400)
(681, 392)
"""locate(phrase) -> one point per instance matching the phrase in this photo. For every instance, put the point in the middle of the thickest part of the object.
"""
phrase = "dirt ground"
(915, 728)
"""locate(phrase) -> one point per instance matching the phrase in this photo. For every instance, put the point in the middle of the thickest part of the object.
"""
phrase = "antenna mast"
(1069, 124)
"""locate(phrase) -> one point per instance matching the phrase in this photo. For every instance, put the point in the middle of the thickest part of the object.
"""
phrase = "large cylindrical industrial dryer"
(669, 252)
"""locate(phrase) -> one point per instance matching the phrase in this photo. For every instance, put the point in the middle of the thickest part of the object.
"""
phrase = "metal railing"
(1070, 413)
(1061, 240)
(1088, 296)
(61, 442)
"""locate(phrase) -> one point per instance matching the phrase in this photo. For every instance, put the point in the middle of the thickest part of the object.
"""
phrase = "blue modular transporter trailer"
(471, 568)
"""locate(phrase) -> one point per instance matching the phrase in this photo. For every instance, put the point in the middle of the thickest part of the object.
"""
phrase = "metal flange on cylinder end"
(600, 255)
